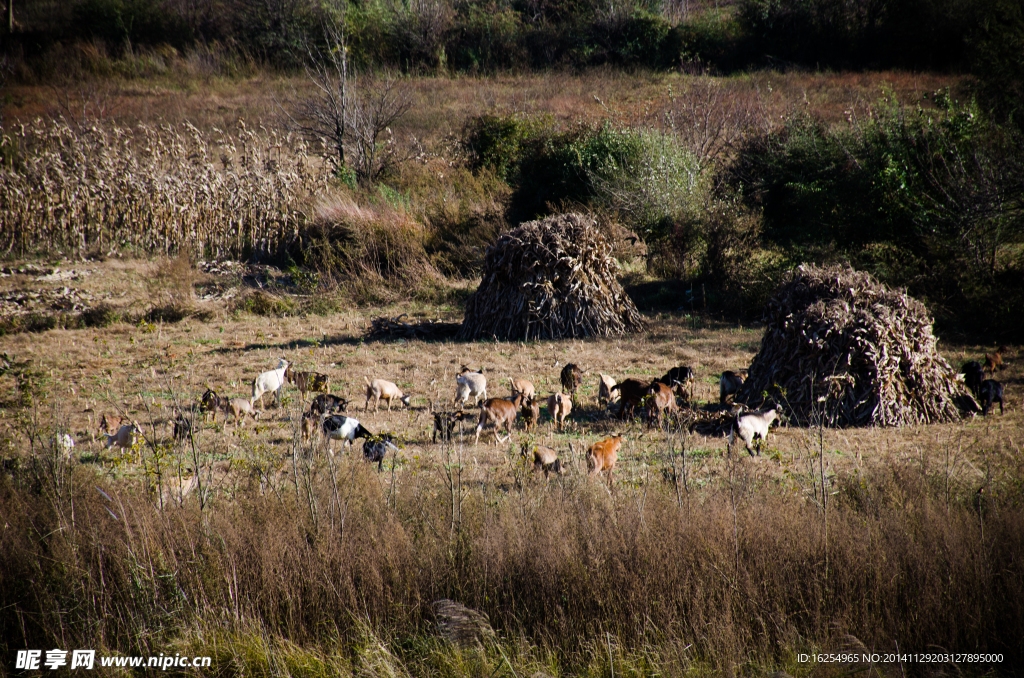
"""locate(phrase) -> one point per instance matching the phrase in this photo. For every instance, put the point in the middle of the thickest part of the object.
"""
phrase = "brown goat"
(559, 407)
(572, 377)
(239, 407)
(531, 413)
(500, 413)
(994, 361)
(632, 392)
(601, 457)
(309, 421)
(661, 401)
(307, 382)
(544, 459)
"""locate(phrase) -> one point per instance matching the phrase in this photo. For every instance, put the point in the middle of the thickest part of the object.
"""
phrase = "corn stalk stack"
(550, 279)
(842, 349)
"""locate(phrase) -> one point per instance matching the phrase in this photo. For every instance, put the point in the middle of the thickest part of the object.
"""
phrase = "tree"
(352, 114)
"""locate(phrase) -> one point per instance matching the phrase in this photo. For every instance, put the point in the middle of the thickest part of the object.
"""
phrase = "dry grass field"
(145, 371)
(367, 551)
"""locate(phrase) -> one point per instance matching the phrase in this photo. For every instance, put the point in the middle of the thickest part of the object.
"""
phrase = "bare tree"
(377, 104)
(352, 114)
(324, 115)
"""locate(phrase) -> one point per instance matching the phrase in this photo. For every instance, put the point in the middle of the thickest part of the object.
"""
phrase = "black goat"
(990, 392)
(973, 376)
(444, 423)
(326, 402)
(376, 447)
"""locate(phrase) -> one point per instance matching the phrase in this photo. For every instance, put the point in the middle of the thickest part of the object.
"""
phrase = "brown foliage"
(84, 566)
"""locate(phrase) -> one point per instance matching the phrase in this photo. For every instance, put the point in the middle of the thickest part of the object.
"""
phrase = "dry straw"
(460, 624)
(160, 189)
(842, 349)
(550, 279)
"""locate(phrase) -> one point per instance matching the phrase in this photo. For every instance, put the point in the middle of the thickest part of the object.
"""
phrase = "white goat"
(604, 390)
(65, 444)
(752, 428)
(269, 382)
(470, 385)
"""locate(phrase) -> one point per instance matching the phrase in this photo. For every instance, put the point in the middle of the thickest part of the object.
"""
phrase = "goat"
(327, 402)
(125, 436)
(752, 428)
(544, 459)
(309, 420)
(601, 457)
(499, 412)
(604, 390)
(65, 444)
(994, 361)
(210, 403)
(683, 376)
(376, 447)
(338, 427)
(990, 392)
(239, 407)
(269, 382)
(571, 378)
(183, 428)
(661, 401)
(559, 407)
(973, 376)
(470, 384)
(307, 382)
(728, 385)
(522, 386)
(530, 412)
(379, 389)
(444, 423)
(632, 392)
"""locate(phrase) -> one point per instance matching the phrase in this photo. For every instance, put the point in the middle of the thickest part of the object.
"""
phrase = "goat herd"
(624, 400)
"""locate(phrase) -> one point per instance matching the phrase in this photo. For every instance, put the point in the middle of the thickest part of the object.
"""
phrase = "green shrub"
(930, 199)
(497, 142)
(263, 304)
(485, 39)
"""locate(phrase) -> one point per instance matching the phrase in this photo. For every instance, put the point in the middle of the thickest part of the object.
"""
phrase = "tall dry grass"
(159, 189)
(733, 573)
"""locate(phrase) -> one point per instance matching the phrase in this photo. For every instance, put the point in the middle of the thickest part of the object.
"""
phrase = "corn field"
(160, 189)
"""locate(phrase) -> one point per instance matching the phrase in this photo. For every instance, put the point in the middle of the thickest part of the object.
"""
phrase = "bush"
(263, 304)
(485, 39)
(933, 191)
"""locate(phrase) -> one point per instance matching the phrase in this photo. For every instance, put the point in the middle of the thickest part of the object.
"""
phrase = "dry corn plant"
(158, 189)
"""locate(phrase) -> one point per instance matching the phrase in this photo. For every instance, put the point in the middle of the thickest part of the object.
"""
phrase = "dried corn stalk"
(842, 349)
(163, 189)
(550, 279)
